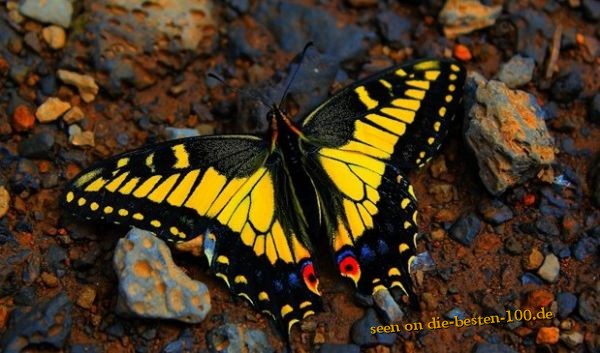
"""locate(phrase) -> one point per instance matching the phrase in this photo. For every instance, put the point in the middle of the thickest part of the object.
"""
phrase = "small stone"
(572, 339)
(438, 234)
(567, 87)
(589, 305)
(547, 335)
(87, 87)
(231, 338)
(456, 312)
(567, 302)
(534, 260)
(58, 12)
(22, 118)
(86, 298)
(547, 225)
(184, 343)
(594, 110)
(43, 323)
(395, 29)
(495, 212)
(518, 71)
(530, 278)
(442, 192)
(51, 110)
(438, 167)
(550, 268)
(462, 52)
(465, 16)
(361, 334)
(466, 229)
(507, 132)
(493, 348)
(389, 307)
(4, 201)
(173, 133)
(55, 36)
(85, 138)
(74, 115)
(540, 298)
(49, 279)
(37, 146)
(152, 286)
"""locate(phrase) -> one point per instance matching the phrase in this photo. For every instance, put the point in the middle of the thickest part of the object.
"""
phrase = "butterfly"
(257, 205)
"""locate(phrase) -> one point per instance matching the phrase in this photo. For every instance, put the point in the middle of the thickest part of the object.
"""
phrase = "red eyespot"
(310, 278)
(349, 267)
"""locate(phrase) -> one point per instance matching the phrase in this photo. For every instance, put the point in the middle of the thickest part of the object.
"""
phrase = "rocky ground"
(509, 210)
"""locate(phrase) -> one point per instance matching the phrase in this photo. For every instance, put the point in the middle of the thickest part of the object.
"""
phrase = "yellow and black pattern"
(218, 188)
(361, 141)
(253, 201)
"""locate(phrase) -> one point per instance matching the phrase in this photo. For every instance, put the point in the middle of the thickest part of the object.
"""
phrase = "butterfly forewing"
(221, 189)
(357, 145)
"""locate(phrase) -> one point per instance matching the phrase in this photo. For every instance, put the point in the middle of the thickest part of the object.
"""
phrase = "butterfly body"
(259, 203)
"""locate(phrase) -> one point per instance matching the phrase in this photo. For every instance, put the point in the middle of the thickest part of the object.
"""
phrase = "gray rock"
(58, 12)
(48, 323)
(566, 304)
(518, 71)
(550, 268)
(152, 286)
(589, 304)
(423, 262)
(231, 338)
(465, 16)
(361, 331)
(37, 146)
(173, 133)
(495, 212)
(182, 344)
(572, 338)
(466, 229)
(391, 310)
(507, 133)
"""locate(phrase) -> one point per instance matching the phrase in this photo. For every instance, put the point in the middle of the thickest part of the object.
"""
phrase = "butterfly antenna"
(259, 98)
(291, 80)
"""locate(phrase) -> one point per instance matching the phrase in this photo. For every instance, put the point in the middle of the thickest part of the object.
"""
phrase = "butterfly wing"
(357, 144)
(221, 189)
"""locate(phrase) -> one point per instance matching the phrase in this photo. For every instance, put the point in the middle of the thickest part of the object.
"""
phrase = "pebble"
(547, 225)
(22, 118)
(456, 312)
(495, 212)
(594, 109)
(442, 192)
(361, 334)
(44, 323)
(230, 338)
(81, 138)
(87, 87)
(395, 29)
(572, 339)
(567, 302)
(540, 298)
(37, 146)
(184, 343)
(55, 37)
(389, 307)
(152, 286)
(58, 12)
(507, 133)
(547, 335)
(4, 201)
(465, 16)
(466, 229)
(589, 304)
(74, 115)
(339, 348)
(567, 87)
(534, 260)
(462, 52)
(173, 133)
(49, 279)
(493, 348)
(518, 71)
(550, 268)
(87, 295)
(51, 110)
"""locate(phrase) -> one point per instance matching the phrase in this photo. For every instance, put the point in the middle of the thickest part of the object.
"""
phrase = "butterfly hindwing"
(220, 188)
(357, 145)
(399, 115)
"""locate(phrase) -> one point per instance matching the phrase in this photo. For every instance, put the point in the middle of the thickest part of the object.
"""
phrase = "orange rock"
(462, 52)
(529, 199)
(22, 118)
(539, 298)
(547, 335)
(3, 316)
(522, 331)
